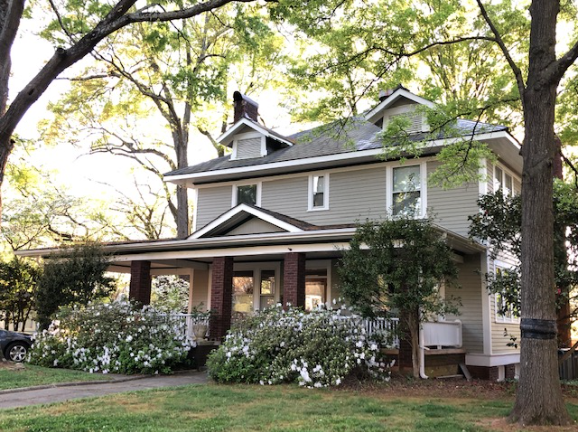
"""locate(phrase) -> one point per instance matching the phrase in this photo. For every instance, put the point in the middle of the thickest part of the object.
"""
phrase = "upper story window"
(247, 194)
(406, 197)
(318, 192)
(503, 181)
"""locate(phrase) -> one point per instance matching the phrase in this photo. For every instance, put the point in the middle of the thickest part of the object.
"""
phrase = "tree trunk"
(564, 322)
(413, 319)
(181, 143)
(539, 396)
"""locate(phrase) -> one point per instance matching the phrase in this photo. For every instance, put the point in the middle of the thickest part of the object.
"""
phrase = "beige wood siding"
(335, 281)
(517, 186)
(353, 196)
(501, 331)
(200, 288)
(490, 179)
(470, 294)
(450, 208)
(212, 202)
(254, 226)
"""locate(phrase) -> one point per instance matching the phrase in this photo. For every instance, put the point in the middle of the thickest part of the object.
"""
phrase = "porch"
(440, 342)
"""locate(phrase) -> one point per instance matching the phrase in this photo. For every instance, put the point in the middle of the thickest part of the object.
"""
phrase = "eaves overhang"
(331, 161)
(333, 239)
(228, 137)
(254, 240)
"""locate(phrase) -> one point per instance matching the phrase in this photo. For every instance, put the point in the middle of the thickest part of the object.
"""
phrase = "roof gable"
(245, 125)
(230, 223)
(395, 98)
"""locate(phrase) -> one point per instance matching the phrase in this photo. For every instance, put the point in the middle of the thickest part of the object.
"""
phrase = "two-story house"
(272, 218)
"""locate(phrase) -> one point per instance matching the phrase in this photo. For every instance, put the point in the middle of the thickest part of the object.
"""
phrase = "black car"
(14, 345)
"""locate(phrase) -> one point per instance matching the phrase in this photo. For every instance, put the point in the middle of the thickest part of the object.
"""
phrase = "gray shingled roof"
(339, 137)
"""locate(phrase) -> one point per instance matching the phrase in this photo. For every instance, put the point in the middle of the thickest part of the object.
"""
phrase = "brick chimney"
(245, 107)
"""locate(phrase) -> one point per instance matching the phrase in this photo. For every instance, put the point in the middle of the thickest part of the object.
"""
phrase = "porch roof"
(321, 243)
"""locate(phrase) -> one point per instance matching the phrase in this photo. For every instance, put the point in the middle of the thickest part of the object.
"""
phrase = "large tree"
(171, 75)
(385, 34)
(84, 37)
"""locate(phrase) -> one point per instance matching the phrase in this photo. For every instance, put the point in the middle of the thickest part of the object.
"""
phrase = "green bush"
(112, 338)
(316, 349)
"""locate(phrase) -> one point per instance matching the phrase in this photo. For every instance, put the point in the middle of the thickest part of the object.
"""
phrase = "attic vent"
(415, 118)
(248, 148)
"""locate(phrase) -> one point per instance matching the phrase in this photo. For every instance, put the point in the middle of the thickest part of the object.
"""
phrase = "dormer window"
(416, 118)
(248, 146)
(247, 194)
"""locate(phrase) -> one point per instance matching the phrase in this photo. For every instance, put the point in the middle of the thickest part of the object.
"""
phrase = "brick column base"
(140, 282)
(294, 279)
(221, 296)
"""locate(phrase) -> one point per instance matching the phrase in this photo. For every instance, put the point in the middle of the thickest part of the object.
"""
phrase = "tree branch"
(117, 18)
(498, 39)
(7, 36)
(61, 23)
(558, 68)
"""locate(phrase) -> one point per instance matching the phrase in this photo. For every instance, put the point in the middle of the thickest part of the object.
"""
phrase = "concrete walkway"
(63, 392)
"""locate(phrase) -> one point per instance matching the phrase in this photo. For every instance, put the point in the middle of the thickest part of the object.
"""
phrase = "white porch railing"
(433, 334)
(192, 322)
(384, 327)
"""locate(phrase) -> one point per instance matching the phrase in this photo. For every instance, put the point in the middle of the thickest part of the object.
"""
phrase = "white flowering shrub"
(316, 349)
(112, 338)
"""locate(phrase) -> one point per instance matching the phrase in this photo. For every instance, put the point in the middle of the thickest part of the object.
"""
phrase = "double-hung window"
(318, 192)
(503, 181)
(406, 191)
(505, 312)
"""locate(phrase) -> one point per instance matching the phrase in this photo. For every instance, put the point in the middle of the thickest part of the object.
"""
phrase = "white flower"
(305, 375)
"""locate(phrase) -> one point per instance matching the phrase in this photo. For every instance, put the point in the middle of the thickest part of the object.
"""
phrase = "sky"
(83, 174)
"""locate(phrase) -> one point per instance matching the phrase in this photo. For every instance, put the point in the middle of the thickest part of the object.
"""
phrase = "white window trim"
(504, 172)
(249, 135)
(248, 183)
(502, 319)
(323, 264)
(325, 205)
(257, 268)
(423, 187)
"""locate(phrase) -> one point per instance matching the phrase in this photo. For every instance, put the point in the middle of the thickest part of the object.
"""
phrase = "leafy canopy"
(75, 276)
(398, 265)
(500, 223)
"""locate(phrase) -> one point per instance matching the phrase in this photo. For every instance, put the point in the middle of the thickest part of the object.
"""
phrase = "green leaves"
(74, 277)
(397, 265)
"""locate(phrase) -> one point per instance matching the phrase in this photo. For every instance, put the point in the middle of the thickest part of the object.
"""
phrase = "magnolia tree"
(75, 276)
(397, 267)
(500, 223)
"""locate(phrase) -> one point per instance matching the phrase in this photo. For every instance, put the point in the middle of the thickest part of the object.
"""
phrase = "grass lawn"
(34, 375)
(278, 408)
